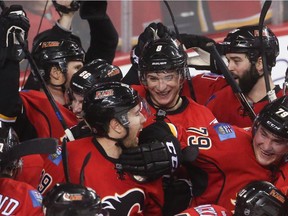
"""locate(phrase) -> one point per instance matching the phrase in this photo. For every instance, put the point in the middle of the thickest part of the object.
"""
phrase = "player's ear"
(259, 66)
(115, 126)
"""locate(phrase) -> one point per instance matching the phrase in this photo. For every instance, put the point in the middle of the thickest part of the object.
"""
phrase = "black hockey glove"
(152, 32)
(13, 21)
(158, 153)
(190, 40)
(74, 6)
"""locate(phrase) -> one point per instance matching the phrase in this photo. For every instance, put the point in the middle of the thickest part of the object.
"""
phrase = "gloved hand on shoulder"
(158, 153)
(13, 20)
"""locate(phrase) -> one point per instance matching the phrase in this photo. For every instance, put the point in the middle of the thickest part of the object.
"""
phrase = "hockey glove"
(152, 32)
(13, 21)
(190, 40)
(158, 153)
(74, 6)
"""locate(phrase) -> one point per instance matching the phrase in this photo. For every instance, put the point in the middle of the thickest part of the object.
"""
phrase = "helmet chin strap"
(149, 100)
(119, 141)
(62, 86)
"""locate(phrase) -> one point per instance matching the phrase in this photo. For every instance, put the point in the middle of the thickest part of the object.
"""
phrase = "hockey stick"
(231, 81)
(270, 93)
(65, 163)
(65, 160)
(187, 72)
(34, 146)
(44, 87)
(285, 84)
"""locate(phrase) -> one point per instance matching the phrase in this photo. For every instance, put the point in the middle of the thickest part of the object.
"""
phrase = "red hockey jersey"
(227, 108)
(40, 113)
(190, 114)
(205, 210)
(120, 196)
(19, 198)
(204, 85)
(226, 163)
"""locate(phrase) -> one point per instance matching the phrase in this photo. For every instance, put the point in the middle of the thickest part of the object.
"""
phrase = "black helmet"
(162, 54)
(274, 117)
(97, 71)
(246, 40)
(261, 198)
(56, 53)
(8, 139)
(106, 101)
(71, 199)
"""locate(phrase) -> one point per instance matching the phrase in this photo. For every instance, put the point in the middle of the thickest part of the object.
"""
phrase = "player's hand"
(13, 20)
(158, 153)
(152, 32)
(190, 40)
(66, 6)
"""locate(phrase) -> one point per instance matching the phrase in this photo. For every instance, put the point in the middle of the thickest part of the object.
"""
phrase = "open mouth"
(162, 94)
(79, 116)
(266, 154)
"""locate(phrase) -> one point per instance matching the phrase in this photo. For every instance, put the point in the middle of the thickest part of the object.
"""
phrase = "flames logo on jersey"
(127, 203)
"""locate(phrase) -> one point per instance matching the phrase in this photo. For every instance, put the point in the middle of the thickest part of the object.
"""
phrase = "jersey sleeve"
(10, 103)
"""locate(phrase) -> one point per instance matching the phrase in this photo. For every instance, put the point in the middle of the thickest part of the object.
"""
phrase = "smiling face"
(268, 148)
(164, 87)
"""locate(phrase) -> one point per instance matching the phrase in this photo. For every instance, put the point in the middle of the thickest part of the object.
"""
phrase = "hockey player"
(162, 69)
(259, 154)
(104, 40)
(17, 198)
(256, 198)
(199, 87)
(72, 199)
(30, 111)
(261, 198)
(98, 71)
(243, 52)
(115, 114)
(163, 65)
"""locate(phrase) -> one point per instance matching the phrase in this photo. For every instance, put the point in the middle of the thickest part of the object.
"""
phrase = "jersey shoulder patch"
(224, 131)
(36, 198)
(56, 157)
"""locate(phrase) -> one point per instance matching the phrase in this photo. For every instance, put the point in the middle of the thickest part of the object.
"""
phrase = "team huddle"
(81, 139)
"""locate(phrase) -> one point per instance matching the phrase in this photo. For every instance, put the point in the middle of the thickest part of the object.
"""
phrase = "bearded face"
(249, 79)
(243, 71)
